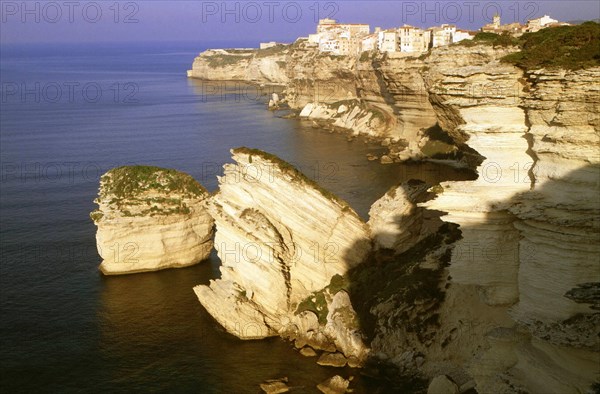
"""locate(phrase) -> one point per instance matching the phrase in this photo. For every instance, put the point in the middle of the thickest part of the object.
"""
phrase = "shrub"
(569, 47)
(502, 40)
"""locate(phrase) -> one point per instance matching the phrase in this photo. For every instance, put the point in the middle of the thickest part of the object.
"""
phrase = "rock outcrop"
(382, 96)
(259, 66)
(149, 219)
(280, 238)
(396, 222)
(349, 116)
(529, 223)
(334, 385)
(502, 297)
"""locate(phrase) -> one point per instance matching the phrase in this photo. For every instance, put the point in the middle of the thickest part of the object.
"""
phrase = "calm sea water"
(68, 114)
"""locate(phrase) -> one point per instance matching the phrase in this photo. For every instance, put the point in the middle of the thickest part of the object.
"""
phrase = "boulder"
(442, 385)
(334, 385)
(332, 360)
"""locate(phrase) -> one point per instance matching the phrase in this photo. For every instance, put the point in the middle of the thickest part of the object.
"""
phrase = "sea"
(69, 113)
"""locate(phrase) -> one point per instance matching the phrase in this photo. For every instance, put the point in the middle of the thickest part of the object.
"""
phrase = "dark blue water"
(68, 114)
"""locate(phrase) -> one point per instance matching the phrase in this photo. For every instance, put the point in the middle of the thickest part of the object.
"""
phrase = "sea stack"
(149, 219)
(280, 238)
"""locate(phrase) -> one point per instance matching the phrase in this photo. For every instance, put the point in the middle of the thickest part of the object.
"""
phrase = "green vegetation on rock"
(501, 40)
(130, 181)
(134, 188)
(272, 51)
(568, 47)
(365, 56)
(317, 303)
(96, 215)
(221, 60)
(401, 281)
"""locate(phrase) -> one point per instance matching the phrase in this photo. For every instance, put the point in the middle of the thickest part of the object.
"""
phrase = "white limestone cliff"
(150, 219)
(280, 238)
(260, 66)
(396, 222)
(529, 222)
(348, 116)
(507, 305)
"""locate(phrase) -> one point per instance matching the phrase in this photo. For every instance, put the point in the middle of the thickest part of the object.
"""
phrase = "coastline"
(464, 107)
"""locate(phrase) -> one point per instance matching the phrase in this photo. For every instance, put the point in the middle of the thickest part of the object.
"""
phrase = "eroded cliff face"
(505, 301)
(529, 223)
(384, 94)
(280, 238)
(259, 66)
(150, 219)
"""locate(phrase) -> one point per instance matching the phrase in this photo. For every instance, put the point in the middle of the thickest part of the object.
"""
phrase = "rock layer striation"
(280, 238)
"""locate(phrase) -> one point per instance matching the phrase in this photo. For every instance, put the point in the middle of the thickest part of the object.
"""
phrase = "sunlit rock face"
(560, 218)
(396, 222)
(280, 237)
(394, 85)
(149, 219)
(383, 96)
(477, 99)
(511, 306)
(260, 66)
(529, 222)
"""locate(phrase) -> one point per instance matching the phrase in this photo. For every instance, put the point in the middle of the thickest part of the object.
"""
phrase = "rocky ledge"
(150, 218)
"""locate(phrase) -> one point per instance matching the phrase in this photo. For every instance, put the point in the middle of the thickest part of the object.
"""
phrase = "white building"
(413, 39)
(314, 38)
(325, 24)
(329, 44)
(514, 29)
(538, 24)
(460, 35)
(369, 43)
(442, 35)
(266, 45)
(339, 39)
(387, 41)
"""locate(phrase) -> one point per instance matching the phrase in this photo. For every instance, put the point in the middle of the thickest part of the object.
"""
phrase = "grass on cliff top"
(502, 40)
(295, 174)
(131, 181)
(222, 59)
(568, 47)
(275, 50)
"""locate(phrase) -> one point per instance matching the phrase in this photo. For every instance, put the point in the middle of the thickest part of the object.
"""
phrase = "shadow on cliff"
(406, 290)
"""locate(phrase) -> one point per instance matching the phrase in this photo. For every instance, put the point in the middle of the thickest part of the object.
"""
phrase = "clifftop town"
(353, 39)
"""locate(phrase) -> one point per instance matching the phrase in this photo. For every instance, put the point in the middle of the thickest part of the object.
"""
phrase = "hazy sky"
(250, 21)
